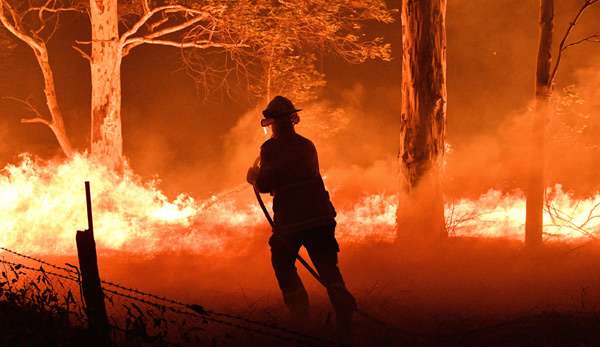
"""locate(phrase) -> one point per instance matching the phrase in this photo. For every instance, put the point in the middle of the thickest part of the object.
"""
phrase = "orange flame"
(42, 204)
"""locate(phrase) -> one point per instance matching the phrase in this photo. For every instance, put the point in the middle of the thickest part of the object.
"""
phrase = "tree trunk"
(543, 92)
(56, 124)
(106, 136)
(423, 119)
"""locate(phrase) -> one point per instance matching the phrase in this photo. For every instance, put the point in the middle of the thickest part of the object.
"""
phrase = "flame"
(42, 205)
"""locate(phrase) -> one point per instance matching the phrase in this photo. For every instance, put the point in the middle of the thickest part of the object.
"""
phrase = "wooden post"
(92, 289)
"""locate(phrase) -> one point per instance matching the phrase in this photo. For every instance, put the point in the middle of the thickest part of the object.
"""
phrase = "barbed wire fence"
(134, 322)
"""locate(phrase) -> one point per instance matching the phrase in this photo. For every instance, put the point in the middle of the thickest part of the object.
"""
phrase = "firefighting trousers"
(323, 250)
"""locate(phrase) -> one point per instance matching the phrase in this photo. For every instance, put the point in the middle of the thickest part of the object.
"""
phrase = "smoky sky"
(173, 131)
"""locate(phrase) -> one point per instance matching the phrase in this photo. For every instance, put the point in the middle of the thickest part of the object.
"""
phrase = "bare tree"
(34, 25)
(274, 45)
(545, 78)
(180, 24)
(258, 38)
(423, 118)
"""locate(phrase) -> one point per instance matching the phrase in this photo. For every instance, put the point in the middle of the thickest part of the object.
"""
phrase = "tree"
(423, 118)
(34, 25)
(282, 29)
(34, 22)
(287, 39)
(181, 24)
(545, 77)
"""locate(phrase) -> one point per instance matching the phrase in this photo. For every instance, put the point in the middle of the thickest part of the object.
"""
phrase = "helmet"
(278, 108)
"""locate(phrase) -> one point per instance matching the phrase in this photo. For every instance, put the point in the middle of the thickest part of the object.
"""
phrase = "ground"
(467, 292)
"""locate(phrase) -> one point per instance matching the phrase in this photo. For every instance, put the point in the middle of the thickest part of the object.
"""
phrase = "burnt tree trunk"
(106, 136)
(423, 119)
(543, 92)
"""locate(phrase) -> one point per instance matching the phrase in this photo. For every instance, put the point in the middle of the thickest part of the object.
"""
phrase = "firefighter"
(303, 213)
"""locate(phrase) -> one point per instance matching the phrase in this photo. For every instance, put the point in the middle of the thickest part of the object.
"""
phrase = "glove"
(252, 175)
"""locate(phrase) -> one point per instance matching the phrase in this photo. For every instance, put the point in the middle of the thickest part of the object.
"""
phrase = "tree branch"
(589, 38)
(145, 6)
(82, 53)
(36, 120)
(41, 9)
(562, 47)
(38, 115)
(162, 32)
(25, 103)
(202, 44)
(14, 27)
(144, 19)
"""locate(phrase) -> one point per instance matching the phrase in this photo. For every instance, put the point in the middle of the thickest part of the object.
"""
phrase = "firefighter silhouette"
(303, 214)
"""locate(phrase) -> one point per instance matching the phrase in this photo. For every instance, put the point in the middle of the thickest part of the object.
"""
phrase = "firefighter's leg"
(283, 258)
(323, 249)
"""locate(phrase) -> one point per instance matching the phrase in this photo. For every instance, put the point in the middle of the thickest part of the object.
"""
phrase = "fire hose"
(304, 263)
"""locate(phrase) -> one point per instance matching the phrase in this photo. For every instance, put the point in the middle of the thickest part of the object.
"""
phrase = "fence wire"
(246, 324)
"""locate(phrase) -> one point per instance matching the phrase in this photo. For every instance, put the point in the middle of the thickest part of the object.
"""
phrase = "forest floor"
(467, 292)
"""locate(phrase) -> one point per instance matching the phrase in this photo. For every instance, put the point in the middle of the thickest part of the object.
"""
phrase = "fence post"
(92, 289)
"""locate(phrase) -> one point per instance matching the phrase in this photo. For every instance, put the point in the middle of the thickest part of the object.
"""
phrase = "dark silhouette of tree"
(423, 118)
(545, 77)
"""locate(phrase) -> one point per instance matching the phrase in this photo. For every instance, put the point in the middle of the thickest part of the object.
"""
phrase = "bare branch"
(561, 219)
(26, 103)
(562, 46)
(36, 120)
(38, 115)
(201, 44)
(162, 32)
(145, 6)
(144, 19)
(82, 53)
(41, 9)
(13, 26)
(158, 23)
(589, 38)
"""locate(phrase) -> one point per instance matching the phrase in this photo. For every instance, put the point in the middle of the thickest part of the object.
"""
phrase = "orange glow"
(42, 205)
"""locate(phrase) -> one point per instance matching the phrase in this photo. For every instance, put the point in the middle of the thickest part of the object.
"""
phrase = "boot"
(297, 304)
(345, 305)
(343, 327)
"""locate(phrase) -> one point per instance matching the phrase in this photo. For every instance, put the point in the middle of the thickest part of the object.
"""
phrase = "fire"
(42, 205)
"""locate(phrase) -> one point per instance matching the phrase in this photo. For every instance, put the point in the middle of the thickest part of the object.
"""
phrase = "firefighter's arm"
(265, 174)
(252, 175)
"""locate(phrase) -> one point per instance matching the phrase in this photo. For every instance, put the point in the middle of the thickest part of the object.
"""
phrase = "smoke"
(500, 159)
(204, 150)
(349, 144)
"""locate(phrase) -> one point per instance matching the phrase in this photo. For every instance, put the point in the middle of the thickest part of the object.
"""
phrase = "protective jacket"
(289, 170)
